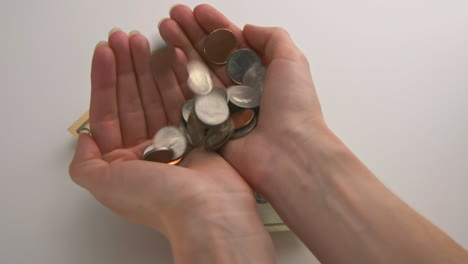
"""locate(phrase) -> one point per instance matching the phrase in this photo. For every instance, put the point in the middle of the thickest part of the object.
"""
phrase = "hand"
(127, 107)
(325, 194)
(290, 115)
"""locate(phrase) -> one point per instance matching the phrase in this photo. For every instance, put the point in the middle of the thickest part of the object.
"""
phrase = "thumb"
(87, 164)
(272, 43)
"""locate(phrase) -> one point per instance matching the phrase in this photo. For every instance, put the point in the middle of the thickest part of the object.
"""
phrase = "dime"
(187, 109)
(255, 77)
(240, 62)
(246, 130)
(199, 80)
(244, 96)
(211, 109)
(170, 137)
(219, 135)
(219, 44)
(195, 129)
(242, 118)
(163, 155)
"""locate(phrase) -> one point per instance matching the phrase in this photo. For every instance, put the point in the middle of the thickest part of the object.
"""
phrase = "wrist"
(302, 159)
(233, 233)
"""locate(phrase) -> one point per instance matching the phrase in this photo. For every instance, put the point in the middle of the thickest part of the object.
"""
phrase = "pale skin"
(205, 207)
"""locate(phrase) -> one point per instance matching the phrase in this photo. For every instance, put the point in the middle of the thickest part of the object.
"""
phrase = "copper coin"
(175, 162)
(219, 44)
(163, 155)
(242, 118)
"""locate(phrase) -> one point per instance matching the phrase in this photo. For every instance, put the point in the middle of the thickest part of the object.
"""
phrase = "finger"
(153, 107)
(174, 36)
(103, 113)
(131, 113)
(87, 166)
(272, 43)
(166, 81)
(208, 19)
(180, 69)
(183, 15)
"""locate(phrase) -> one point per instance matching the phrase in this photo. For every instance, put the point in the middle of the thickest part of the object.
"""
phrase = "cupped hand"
(133, 95)
(290, 115)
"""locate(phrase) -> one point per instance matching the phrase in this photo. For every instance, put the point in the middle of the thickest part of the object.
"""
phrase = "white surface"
(392, 77)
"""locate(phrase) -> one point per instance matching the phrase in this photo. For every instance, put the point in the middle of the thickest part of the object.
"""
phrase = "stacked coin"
(215, 115)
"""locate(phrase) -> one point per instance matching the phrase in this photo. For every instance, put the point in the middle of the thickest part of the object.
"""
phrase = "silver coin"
(240, 62)
(183, 129)
(148, 149)
(244, 96)
(260, 198)
(246, 130)
(255, 77)
(199, 80)
(187, 109)
(163, 155)
(219, 135)
(172, 138)
(221, 92)
(211, 109)
(195, 130)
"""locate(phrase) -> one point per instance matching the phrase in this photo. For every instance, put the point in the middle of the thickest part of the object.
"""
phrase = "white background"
(392, 77)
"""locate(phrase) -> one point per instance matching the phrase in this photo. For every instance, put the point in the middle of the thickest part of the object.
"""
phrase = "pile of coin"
(215, 115)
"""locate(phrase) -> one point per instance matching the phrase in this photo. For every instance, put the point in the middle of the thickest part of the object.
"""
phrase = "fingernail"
(172, 7)
(162, 20)
(112, 31)
(133, 32)
(101, 43)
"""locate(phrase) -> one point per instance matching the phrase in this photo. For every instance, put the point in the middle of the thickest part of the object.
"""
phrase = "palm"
(253, 153)
(133, 95)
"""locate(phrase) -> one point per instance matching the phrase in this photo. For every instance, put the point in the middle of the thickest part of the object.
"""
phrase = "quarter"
(240, 62)
(172, 138)
(211, 109)
(199, 80)
(244, 96)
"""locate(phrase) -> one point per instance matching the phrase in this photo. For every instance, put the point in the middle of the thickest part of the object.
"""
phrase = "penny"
(244, 96)
(172, 138)
(219, 44)
(163, 155)
(240, 62)
(175, 162)
(242, 118)
(246, 130)
(199, 80)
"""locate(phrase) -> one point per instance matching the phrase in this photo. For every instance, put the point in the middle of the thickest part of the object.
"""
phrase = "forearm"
(234, 237)
(344, 214)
